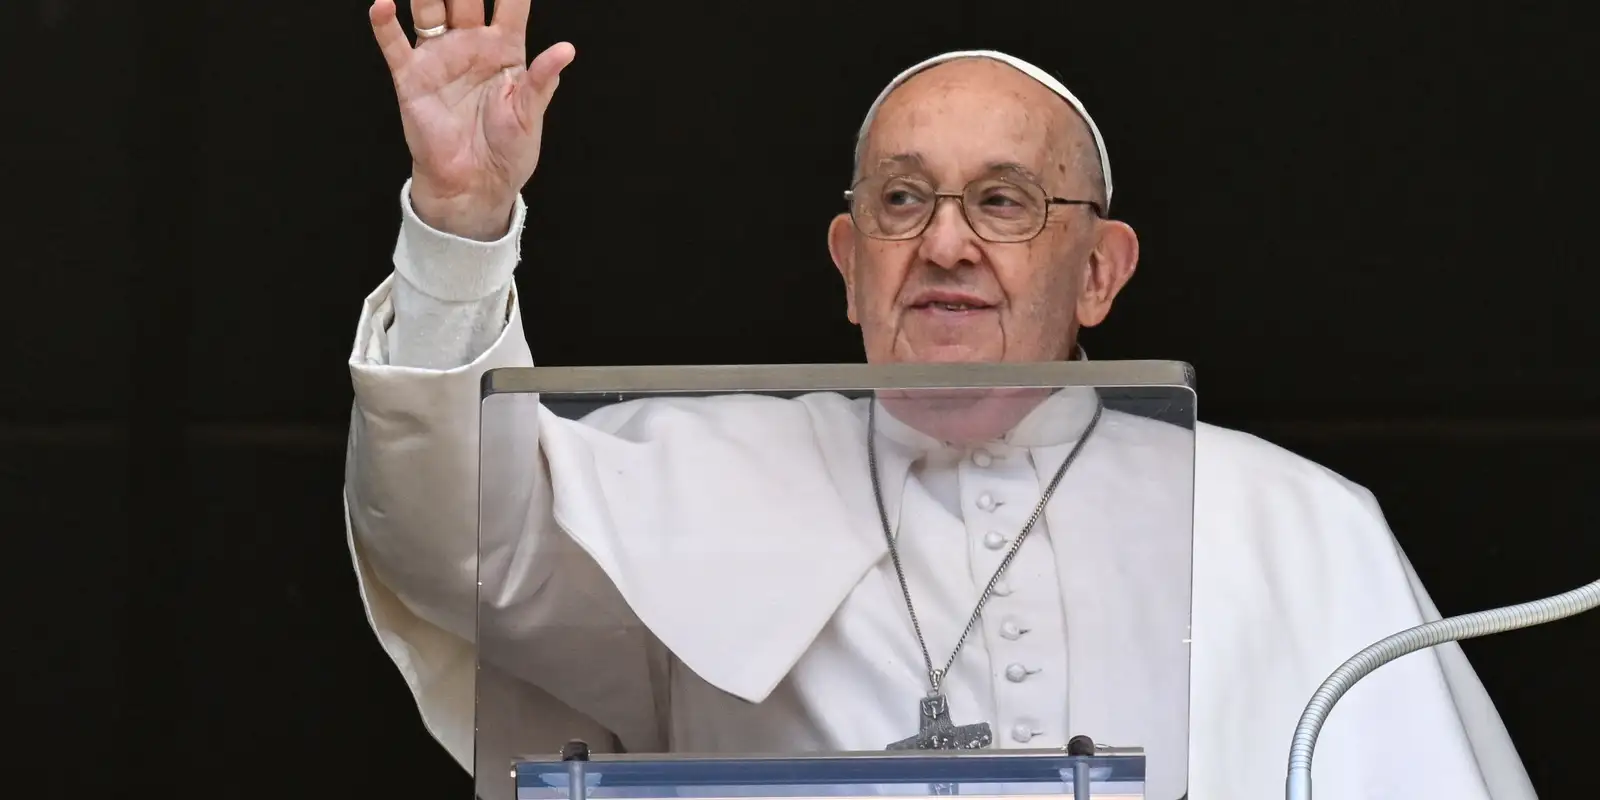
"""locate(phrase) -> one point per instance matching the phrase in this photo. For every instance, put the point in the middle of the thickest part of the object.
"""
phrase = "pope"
(761, 575)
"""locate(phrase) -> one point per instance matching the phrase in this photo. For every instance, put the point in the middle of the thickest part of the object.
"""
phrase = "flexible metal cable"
(1455, 629)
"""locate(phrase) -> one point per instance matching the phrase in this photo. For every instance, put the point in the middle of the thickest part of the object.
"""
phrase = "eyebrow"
(1012, 166)
(904, 159)
(915, 161)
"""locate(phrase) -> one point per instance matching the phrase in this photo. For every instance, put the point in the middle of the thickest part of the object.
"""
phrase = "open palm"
(472, 112)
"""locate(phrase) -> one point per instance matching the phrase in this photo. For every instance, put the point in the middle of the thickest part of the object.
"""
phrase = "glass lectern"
(835, 581)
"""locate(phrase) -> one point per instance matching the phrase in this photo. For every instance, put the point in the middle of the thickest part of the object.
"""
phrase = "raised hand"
(472, 112)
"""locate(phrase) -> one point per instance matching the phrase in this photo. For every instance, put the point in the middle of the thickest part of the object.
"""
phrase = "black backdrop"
(1365, 227)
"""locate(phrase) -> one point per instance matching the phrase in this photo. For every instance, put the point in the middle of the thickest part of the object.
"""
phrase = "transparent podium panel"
(835, 581)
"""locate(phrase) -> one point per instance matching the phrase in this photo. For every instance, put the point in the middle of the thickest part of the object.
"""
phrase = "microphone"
(1454, 629)
(576, 754)
(1082, 747)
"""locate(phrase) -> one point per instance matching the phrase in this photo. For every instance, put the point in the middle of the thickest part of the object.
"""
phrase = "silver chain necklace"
(937, 731)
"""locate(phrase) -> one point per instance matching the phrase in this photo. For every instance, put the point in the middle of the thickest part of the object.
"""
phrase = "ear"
(842, 246)
(1111, 266)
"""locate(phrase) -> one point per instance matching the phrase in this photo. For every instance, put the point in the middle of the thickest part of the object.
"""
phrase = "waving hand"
(472, 107)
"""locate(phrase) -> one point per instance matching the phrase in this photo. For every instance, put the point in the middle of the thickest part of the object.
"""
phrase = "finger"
(539, 84)
(547, 66)
(428, 14)
(512, 15)
(465, 13)
(391, 37)
(533, 100)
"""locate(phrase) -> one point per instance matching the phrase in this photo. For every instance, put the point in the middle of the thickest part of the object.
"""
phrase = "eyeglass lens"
(998, 209)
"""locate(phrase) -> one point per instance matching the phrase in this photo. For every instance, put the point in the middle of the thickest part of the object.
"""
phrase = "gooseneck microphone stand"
(1455, 629)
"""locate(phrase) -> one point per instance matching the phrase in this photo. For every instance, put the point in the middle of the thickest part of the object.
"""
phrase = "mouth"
(951, 302)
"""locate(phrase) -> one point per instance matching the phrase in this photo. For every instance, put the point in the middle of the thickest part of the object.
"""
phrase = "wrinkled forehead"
(972, 116)
(981, 107)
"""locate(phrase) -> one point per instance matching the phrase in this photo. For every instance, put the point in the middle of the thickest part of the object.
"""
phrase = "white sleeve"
(446, 315)
(451, 297)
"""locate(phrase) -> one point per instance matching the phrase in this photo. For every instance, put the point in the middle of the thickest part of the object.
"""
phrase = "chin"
(948, 354)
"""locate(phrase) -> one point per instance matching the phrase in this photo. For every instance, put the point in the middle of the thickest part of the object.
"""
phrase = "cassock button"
(1022, 733)
(986, 502)
(994, 540)
(1002, 588)
(1010, 629)
(982, 458)
(1016, 673)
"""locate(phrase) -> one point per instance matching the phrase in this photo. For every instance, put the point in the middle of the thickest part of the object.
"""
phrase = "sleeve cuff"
(453, 268)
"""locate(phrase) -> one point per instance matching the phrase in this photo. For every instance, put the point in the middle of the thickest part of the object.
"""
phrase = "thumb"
(539, 82)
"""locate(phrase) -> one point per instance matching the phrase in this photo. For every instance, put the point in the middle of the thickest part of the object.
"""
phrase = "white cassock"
(730, 552)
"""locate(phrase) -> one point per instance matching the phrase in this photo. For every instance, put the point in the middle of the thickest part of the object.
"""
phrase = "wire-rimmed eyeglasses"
(1004, 210)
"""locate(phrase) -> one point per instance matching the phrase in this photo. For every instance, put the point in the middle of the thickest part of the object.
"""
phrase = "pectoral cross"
(939, 733)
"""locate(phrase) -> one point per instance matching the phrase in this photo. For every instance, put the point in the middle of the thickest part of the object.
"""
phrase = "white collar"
(1059, 419)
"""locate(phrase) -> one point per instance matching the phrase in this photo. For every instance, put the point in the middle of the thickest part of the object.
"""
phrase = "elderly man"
(978, 231)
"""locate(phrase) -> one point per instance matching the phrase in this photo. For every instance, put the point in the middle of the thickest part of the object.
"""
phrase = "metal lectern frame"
(1118, 771)
(777, 379)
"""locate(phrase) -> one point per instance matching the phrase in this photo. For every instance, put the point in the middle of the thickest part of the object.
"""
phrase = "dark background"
(1366, 228)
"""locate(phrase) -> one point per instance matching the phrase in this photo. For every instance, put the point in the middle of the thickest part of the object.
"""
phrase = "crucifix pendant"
(938, 733)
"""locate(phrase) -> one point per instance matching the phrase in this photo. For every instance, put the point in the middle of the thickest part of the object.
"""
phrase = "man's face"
(949, 295)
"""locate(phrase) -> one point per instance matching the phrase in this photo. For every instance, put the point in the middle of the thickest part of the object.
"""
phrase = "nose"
(948, 241)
